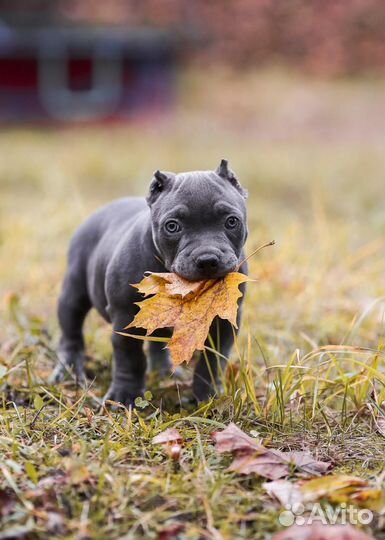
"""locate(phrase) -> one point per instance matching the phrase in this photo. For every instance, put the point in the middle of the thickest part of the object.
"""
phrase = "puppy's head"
(198, 221)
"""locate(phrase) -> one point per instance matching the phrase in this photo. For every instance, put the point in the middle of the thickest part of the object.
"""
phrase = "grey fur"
(121, 241)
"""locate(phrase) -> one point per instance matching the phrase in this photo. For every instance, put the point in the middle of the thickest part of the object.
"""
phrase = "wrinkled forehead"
(200, 190)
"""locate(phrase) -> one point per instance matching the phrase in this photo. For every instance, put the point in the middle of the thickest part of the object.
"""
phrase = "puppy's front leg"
(160, 358)
(206, 380)
(128, 374)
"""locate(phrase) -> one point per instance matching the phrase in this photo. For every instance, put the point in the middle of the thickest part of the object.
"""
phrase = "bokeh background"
(94, 96)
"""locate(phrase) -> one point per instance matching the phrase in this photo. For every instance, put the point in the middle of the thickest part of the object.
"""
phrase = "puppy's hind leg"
(128, 375)
(74, 304)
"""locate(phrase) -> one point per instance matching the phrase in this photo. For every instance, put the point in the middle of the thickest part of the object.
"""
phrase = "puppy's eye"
(231, 222)
(172, 226)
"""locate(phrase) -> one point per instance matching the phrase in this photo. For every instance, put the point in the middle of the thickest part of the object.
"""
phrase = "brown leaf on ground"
(274, 464)
(318, 531)
(233, 439)
(333, 483)
(187, 307)
(252, 457)
(306, 462)
(342, 488)
(337, 489)
(268, 466)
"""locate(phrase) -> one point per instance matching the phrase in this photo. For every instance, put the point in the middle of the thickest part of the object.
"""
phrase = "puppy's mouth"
(195, 274)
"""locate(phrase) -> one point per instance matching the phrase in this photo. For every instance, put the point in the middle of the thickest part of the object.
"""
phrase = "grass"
(309, 361)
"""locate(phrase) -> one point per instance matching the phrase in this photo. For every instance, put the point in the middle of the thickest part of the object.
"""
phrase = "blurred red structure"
(83, 74)
(82, 59)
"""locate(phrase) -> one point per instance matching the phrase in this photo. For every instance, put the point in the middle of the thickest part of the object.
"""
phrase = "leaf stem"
(272, 243)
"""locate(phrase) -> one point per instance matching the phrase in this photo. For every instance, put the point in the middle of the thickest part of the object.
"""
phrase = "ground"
(312, 155)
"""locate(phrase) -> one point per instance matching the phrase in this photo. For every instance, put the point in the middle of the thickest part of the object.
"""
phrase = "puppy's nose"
(207, 262)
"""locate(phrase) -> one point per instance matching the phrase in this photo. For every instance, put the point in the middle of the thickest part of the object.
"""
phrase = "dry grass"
(316, 180)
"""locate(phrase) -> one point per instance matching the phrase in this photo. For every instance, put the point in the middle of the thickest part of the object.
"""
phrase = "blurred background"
(94, 96)
(76, 60)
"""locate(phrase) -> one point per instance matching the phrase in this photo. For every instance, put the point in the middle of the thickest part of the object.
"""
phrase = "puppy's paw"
(122, 395)
(69, 366)
(203, 391)
(58, 374)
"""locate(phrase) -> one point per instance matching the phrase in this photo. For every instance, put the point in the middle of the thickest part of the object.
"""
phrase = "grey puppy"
(192, 223)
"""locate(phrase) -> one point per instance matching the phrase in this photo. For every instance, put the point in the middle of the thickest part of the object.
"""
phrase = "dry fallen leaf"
(287, 493)
(233, 439)
(171, 440)
(337, 489)
(333, 483)
(274, 464)
(252, 457)
(268, 466)
(318, 531)
(188, 307)
(306, 463)
(342, 488)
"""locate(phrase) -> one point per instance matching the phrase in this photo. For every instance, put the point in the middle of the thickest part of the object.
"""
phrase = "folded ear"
(159, 183)
(225, 172)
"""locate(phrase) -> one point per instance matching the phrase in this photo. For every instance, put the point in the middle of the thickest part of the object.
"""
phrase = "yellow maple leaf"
(188, 307)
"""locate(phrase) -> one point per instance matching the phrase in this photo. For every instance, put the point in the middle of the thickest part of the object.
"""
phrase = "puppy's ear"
(225, 172)
(159, 183)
